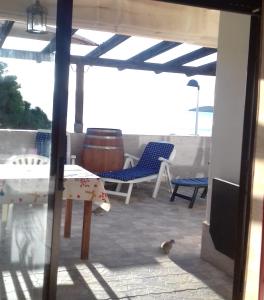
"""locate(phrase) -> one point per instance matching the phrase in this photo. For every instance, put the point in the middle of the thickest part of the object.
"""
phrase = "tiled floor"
(125, 258)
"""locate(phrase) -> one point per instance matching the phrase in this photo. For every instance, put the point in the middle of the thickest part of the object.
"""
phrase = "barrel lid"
(104, 131)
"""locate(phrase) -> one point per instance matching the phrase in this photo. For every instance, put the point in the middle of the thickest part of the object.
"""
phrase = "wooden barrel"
(103, 150)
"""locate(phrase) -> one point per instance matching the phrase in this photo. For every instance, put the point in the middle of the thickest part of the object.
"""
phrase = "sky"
(137, 102)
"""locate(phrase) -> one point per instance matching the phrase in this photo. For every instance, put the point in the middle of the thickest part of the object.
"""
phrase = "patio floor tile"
(125, 261)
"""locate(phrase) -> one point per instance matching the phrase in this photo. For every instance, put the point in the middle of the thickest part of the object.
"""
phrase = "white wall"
(230, 92)
(191, 158)
(15, 142)
(192, 152)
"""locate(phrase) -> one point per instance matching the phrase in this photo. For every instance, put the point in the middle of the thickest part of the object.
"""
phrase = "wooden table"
(30, 184)
(81, 184)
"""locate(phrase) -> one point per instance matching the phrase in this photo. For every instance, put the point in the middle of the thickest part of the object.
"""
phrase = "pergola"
(140, 15)
(94, 57)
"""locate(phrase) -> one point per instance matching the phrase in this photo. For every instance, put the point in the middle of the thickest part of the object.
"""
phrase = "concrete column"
(230, 93)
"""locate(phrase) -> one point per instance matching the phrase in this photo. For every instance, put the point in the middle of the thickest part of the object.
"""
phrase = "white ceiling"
(147, 18)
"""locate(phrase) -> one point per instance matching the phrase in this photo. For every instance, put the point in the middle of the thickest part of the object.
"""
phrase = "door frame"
(58, 144)
(247, 159)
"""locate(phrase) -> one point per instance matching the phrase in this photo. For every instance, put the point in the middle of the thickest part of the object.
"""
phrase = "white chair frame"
(28, 159)
(130, 161)
(34, 159)
(69, 158)
(22, 159)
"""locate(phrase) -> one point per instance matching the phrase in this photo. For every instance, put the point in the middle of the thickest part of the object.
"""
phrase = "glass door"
(32, 150)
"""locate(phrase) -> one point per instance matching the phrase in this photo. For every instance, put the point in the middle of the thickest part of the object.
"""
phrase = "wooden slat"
(189, 57)
(50, 48)
(107, 45)
(153, 51)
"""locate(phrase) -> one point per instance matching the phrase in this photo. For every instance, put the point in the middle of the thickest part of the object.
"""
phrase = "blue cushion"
(203, 182)
(128, 174)
(42, 143)
(148, 164)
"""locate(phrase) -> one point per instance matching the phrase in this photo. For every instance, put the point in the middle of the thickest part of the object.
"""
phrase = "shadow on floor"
(125, 257)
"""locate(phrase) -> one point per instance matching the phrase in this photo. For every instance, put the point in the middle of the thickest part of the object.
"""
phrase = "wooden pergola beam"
(78, 123)
(4, 31)
(207, 70)
(157, 68)
(29, 55)
(184, 59)
(154, 51)
(107, 45)
(51, 47)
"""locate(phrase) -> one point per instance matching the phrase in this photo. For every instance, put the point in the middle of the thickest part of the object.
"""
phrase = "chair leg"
(129, 193)
(174, 193)
(157, 185)
(5, 209)
(118, 187)
(204, 193)
(168, 174)
(193, 197)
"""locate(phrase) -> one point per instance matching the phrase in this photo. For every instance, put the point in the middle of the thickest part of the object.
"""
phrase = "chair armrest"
(127, 155)
(130, 161)
(170, 159)
(167, 161)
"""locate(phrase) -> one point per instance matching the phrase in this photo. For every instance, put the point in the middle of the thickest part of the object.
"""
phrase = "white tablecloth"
(30, 184)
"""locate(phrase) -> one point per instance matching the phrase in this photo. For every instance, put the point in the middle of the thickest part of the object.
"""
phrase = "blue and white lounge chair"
(43, 144)
(152, 165)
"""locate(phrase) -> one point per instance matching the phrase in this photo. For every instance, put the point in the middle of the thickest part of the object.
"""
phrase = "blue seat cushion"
(151, 154)
(128, 174)
(149, 163)
(202, 182)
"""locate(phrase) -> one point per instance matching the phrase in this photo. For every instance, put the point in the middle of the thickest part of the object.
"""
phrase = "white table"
(30, 184)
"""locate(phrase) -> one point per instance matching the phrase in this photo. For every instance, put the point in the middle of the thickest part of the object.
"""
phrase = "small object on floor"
(98, 211)
(166, 246)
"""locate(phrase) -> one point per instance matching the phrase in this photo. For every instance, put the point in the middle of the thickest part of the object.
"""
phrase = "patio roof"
(99, 54)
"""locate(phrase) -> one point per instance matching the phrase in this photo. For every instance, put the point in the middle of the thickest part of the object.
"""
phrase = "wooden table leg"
(87, 216)
(68, 218)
